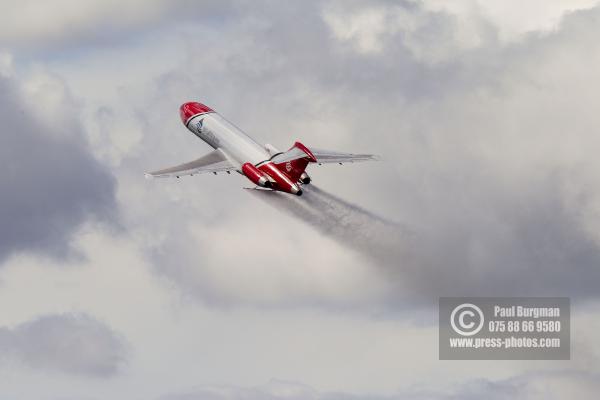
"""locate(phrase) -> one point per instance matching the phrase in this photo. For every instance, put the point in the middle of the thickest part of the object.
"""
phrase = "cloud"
(69, 343)
(34, 27)
(273, 390)
(537, 386)
(488, 184)
(513, 19)
(428, 36)
(52, 183)
(478, 165)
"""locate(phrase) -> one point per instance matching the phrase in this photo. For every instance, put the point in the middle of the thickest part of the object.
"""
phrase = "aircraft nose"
(191, 109)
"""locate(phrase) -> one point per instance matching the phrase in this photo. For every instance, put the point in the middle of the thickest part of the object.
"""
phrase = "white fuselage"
(222, 134)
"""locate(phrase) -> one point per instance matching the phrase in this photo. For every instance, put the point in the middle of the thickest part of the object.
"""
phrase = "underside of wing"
(215, 161)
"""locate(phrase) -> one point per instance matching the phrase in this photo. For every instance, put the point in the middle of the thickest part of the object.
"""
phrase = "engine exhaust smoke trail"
(381, 240)
(407, 259)
(446, 258)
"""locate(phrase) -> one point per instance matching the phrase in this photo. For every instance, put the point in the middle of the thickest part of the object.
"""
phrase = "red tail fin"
(293, 169)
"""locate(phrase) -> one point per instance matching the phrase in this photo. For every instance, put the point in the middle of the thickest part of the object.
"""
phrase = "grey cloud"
(287, 56)
(552, 385)
(272, 391)
(69, 343)
(48, 29)
(51, 183)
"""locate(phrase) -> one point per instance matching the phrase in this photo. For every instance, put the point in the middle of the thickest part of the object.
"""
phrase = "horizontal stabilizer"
(320, 156)
(326, 156)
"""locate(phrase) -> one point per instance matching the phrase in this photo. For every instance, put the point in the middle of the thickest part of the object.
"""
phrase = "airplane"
(265, 166)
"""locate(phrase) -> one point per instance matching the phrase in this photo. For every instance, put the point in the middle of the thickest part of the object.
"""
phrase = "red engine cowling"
(256, 176)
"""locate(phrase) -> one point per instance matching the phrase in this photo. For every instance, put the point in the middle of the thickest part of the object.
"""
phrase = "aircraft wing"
(322, 156)
(215, 161)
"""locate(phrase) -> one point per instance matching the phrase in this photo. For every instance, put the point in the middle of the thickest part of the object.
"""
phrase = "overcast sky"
(484, 113)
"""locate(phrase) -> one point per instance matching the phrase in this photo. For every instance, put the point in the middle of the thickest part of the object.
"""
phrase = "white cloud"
(438, 31)
(511, 18)
(370, 29)
(363, 28)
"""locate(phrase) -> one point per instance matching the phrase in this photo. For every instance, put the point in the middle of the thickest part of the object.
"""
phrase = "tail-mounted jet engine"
(256, 176)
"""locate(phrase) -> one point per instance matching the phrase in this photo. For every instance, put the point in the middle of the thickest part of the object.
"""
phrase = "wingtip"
(148, 176)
